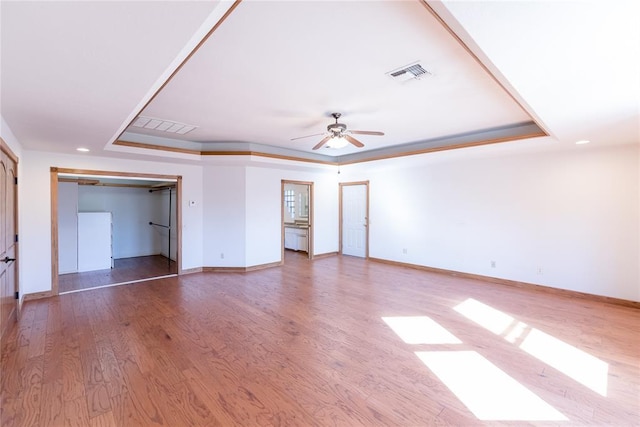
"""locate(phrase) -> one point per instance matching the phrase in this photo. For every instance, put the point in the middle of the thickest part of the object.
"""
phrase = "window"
(290, 202)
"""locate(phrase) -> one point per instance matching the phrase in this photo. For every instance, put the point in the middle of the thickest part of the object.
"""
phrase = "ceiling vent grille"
(413, 71)
(162, 125)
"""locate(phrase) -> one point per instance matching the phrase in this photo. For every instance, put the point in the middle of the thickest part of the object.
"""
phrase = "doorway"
(111, 228)
(354, 219)
(297, 217)
(8, 238)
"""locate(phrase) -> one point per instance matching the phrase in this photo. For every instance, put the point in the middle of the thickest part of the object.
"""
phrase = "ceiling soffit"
(273, 71)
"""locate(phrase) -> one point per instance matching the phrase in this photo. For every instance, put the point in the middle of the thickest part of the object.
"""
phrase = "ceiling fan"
(337, 135)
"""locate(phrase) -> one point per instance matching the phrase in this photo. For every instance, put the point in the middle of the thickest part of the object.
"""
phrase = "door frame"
(4, 147)
(311, 225)
(54, 173)
(340, 205)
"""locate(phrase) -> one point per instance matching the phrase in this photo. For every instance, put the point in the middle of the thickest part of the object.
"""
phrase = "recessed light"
(84, 150)
(582, 141)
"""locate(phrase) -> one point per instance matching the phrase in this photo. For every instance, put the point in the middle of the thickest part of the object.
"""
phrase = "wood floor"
(124, 270)
(306, 344)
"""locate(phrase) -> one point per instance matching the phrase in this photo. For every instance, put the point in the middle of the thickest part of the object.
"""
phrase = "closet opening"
(112, 229)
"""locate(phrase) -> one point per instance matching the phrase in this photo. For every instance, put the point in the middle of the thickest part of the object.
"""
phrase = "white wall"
(11, 140)
(35, 208)
(566, 219)
(242, 217)
(67, 227)
(224, 224)
(561, 218)
(263, 216)
(131, 209)
(325, 209)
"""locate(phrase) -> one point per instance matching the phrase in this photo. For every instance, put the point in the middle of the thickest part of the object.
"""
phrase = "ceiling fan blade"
(366, 132)
(307, 136)
(354, 141)
(321, 143)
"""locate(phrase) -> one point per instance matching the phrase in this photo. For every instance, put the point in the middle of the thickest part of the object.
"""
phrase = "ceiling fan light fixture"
(337, 135)
(337, 142)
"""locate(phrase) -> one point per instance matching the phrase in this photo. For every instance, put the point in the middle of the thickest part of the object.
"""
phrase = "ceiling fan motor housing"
(336, 128)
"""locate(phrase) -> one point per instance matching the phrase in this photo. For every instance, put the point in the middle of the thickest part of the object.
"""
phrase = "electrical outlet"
(221, 255)
(539, 270)
(404, 251)
(493, 264)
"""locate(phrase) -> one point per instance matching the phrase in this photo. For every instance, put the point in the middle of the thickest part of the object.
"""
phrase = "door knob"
(8, 260)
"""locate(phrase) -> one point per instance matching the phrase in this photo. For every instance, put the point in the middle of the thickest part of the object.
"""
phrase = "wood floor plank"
(24, 334)
(210, 397)
(72, 377)
(95, 387)
(113, 377)
(75, 412)
(52, 405)
(103, 420)
(126, 412)
(30, 396)
(181, 405)
(140, 395)
(306, 344)
(54, 347)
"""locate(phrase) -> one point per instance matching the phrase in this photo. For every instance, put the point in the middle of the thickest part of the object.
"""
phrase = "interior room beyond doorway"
(114, 230)
(297, 220)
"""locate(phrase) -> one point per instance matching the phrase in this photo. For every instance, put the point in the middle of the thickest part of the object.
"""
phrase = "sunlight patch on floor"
(487, 391)
(571, 361)
(484, 315)
(420, 330)
(515, 332)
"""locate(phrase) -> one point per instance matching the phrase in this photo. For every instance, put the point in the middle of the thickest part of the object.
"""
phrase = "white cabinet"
(296, 238)
(302, 240)
(289, 238)
(94, 241)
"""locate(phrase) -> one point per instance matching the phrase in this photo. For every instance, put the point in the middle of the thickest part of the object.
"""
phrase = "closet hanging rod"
(158, 225)
(169, 187)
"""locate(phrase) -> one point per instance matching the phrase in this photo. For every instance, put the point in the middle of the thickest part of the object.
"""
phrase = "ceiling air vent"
(413, 71)
(162, 125)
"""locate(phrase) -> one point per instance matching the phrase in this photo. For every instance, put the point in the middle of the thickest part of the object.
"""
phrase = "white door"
(354, 220)
(8, 244)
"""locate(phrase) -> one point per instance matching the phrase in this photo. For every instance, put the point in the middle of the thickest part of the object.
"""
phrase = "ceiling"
(253, 75)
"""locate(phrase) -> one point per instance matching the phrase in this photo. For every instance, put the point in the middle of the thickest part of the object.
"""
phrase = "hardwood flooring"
(124, 270)
(309, 343)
